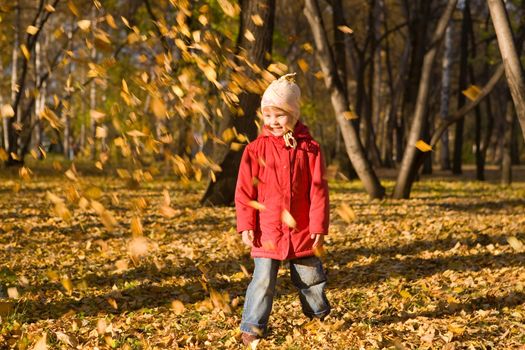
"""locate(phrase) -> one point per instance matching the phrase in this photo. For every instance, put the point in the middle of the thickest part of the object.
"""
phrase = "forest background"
(123, 123)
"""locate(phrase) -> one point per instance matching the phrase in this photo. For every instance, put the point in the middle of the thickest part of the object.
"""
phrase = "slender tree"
(513, 69)
(408, 170)
(340, 102)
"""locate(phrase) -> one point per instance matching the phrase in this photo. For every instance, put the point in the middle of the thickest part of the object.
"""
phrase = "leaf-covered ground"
(95, 263)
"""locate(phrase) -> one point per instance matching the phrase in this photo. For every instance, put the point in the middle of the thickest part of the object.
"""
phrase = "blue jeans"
(307, 276)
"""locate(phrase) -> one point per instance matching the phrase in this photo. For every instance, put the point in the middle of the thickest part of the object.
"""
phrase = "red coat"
(282, 178)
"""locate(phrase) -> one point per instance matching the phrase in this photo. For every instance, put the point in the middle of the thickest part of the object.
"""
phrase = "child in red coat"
(282, 208)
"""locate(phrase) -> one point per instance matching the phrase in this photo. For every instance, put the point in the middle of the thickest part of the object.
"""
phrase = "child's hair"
(285, 94)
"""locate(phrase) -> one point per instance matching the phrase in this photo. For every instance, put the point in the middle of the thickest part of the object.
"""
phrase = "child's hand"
(247, 237)
(318, 240)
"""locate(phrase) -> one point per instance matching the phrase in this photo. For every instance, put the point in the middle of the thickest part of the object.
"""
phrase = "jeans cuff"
(320, 315)
(253, 329)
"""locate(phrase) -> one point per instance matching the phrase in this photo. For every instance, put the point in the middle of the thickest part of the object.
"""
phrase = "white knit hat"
(285, 94)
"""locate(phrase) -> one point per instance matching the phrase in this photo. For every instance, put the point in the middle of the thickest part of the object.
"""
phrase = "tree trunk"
(222, 191)
(11, 138)
(445, 94)
(506, 163)
(345, 166)
(513, 69)
(408, 171)
(93, 97)
(463, 76)
(340, 103)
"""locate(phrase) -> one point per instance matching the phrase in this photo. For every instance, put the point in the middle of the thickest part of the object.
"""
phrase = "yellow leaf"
(41, 344)
(84, 25)
(212, 176)
(96, 115)
(308, 47)
(12, 293)
(113, 303)
(111, 21)
(346, 213)
(25, 52)
(249, 35)
(303, 65)
(319, 75)
(350, 115)
(136, 227)
(472, 92)
(405, 294)
(32, 30)
(288, 219)
(101, 132)
(138, 248)
(25, 173)
(67, 284)
(7, 111)
(135, 133)
(3, 155)
(49, 8)
(423, 146)
(228, 8)
(158, 108)
(178, 307)
(235, 146)
(257, 20)
(515, 243)
(256, 205)
(73, 8)
(345, 29)
(71, 174)
(123, 173)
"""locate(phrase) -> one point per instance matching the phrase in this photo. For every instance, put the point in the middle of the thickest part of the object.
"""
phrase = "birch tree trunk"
(340, 103)
(408, 170)
(513, 69)
(93, 98)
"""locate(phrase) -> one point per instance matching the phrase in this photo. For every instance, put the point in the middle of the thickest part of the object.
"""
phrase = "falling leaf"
(288, 219)
(308, 47)
(32, 30)
(111, 21)
(25, 52)
(73, 8)
(12, 292)
(67, 284)
(350, 115)
(346, 213)
(138, 247)
(515, 243)
(113, 303)
(423, 146)
(303, 65)
(257, 20)
(178, 307)
(345, 29)
(472, 92)
(249, 35)
(135, 133)
(84, 25)
(228, 8)
(158, 108)
(96, 115)
(7, 111)
(256, 205)
(49, 8)
(101, 132)
(136, 227)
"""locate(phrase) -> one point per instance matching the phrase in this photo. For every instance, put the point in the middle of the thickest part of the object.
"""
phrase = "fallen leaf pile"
(94, 264)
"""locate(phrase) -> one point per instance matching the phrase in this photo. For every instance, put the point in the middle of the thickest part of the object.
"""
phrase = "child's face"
(276, 120)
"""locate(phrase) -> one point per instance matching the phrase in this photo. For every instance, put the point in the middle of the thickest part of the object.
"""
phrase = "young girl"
(281, 201)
